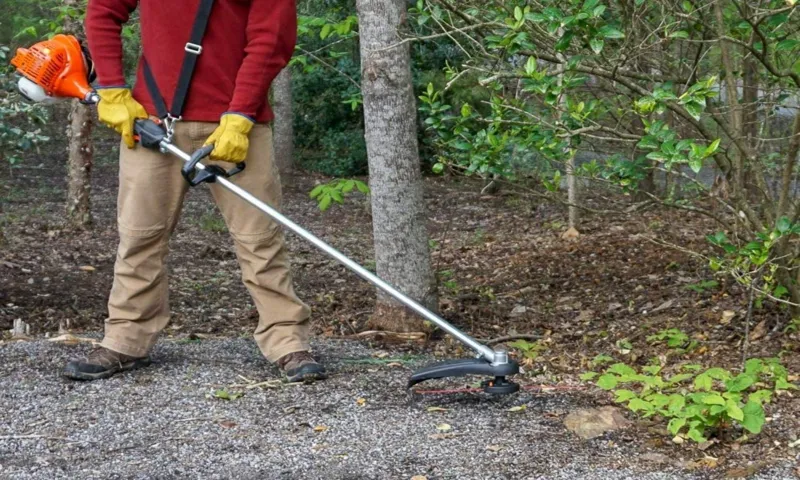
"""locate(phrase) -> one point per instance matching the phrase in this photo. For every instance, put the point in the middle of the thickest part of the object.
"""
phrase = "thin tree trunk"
(398, 211)
(572, 183)
(732, 94)
(283, 126)
(80, 150)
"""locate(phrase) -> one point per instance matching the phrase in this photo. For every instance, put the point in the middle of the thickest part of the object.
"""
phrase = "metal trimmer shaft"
(487, 353)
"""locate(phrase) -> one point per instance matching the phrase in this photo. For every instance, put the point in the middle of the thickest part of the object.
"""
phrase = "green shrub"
(698, 405)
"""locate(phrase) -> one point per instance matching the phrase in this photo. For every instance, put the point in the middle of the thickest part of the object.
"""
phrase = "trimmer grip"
(148, 133)
(210, 173)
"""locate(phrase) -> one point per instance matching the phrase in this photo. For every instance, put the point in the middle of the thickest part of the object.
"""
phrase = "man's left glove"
(230, 139)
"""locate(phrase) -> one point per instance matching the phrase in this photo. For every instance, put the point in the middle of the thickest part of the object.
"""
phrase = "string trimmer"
(61, 68)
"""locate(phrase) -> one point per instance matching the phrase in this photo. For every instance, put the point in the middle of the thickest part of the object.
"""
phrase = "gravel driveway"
(165, 422)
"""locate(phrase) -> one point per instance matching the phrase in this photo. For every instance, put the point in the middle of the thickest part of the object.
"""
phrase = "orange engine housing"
(57, 65)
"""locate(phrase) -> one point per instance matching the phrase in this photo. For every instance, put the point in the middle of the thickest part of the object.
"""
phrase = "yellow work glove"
(118, 110)
(230, 139)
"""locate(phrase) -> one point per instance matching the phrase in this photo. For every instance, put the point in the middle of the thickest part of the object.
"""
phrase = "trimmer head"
(498, 385)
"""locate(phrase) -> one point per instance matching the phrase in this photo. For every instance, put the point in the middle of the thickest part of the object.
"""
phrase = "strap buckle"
(169, 123)
(193, 48)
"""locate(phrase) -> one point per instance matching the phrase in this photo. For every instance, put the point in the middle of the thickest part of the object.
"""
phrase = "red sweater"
(246, 44)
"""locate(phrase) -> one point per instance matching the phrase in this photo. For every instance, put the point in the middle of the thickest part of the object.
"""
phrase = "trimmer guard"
(471, 366)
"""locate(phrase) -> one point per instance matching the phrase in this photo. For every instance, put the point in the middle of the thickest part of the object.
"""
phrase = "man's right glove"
(119, 110)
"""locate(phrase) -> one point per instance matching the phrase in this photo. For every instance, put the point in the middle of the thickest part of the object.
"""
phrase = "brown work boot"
(301, 367)
(103, 363)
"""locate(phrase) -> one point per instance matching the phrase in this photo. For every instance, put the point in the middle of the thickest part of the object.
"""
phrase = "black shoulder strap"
(193, 50)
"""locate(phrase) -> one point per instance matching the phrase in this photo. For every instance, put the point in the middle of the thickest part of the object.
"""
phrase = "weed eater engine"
(61, 68)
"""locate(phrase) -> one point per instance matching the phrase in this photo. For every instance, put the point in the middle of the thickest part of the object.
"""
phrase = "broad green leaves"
(717, 398)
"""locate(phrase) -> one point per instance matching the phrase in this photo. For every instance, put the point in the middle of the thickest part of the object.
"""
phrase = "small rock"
(518, 311)
(594, 422)
(617, 228)
(585, 316)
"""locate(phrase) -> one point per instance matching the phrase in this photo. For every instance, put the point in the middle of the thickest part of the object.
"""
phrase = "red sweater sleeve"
(271, 39)
(103, 24)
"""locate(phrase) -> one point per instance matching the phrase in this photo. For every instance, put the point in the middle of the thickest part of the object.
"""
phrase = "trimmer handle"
(210, 172)
(149, 134)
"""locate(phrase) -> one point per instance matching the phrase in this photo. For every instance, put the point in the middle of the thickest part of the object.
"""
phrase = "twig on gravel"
(42, 437)
(521, 336)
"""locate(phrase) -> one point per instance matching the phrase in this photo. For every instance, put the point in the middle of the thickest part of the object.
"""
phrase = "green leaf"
(608, 31)
(652, 369)
(760, 396)
(658, 156)
(712, 149)
(696, 164)
(607, 381)
(681, 377)
(517, 13)
(687, 6)
(703, 382)
(530, 66)
(597, 45)
(713, 399)
(325, 202)
(754, 417)
(362, 187)
(674, 426)
(754, 366)
(734, 411)
(325, 32)
(638, 404)
(679, 34)
(621, 369)
(740, 382)
(696, 435)
(586, 376)
(783, 225)
(316, 191)
(438, 168)
(624, 395)
(348, 186)
(787, 44)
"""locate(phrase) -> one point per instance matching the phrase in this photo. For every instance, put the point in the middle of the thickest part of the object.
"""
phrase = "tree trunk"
(79, 211)
(572, 183)
(80, 150)
(283, 126)
(399, 221)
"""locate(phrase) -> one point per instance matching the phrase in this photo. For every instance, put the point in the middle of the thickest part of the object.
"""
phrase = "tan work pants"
(151, 193)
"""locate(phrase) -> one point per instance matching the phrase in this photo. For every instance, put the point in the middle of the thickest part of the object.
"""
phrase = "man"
(246, 43)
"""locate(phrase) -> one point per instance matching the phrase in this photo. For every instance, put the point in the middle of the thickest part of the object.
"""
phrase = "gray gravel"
(161, 422)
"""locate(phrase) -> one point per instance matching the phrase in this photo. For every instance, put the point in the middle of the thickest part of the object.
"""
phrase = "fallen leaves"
(519, 408)
(87, 268)
(727, 316)
(494, 448)
(320, 428)
(361, 402)
(223, 394)
(759, 332)
(443, 427)
(227, 424)
(435, 409)
(419, 477)
(571, 234)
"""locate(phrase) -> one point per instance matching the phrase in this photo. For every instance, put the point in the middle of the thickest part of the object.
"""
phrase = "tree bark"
(80, 150)
(402, 253)
(283, 126)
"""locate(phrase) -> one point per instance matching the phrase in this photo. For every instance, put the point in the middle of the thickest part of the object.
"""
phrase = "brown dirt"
(503, 268)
